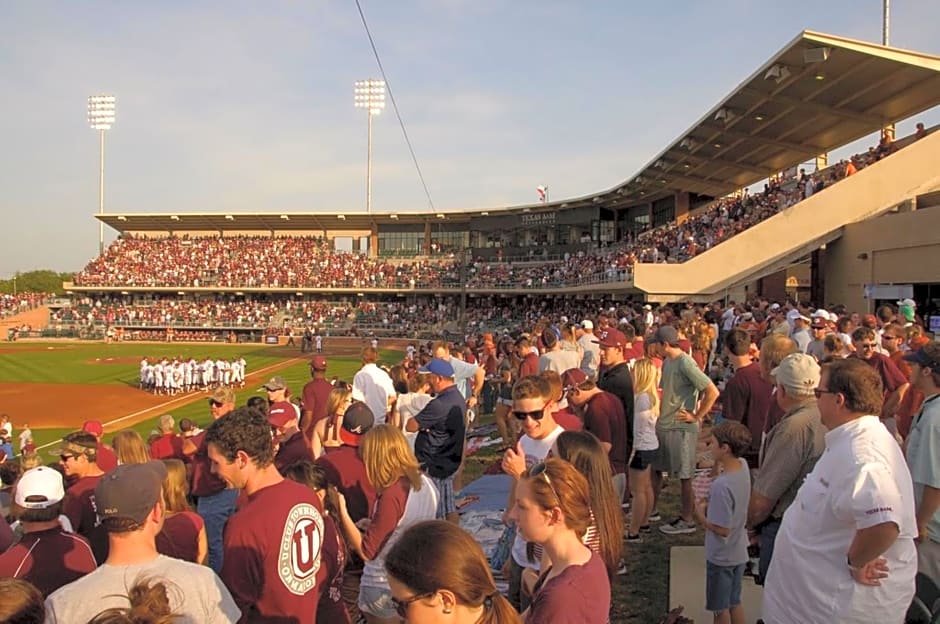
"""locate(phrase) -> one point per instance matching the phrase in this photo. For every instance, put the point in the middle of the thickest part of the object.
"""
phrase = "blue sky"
(247, 106)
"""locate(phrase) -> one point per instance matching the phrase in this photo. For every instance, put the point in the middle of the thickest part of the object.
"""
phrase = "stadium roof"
(818, 93)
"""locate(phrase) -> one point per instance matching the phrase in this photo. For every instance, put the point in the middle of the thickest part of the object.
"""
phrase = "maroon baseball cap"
(357, 420)
(572, 378)
(318, 363)
(611, 337)
(93, 427)
(281, 412)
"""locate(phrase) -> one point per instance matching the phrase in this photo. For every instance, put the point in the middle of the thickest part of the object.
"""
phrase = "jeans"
(215, 511)
(768, 535)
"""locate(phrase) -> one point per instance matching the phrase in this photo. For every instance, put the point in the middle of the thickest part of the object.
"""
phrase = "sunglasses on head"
(538, 470)
(401, 606)
(538, 414)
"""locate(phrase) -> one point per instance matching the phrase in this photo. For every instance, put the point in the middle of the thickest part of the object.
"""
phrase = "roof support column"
(682, 206)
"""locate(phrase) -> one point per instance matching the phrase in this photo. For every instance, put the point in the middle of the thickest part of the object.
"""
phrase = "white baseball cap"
(586, 324)
(796, 314)
(910, 303)
(39, 483)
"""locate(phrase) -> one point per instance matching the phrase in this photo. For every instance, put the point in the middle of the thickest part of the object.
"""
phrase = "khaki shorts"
(676, 452)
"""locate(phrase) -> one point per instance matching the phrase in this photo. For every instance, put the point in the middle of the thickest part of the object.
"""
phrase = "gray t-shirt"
(195, 592)
(727, 507)
(559, 361)
(592, 355)
(682, 381)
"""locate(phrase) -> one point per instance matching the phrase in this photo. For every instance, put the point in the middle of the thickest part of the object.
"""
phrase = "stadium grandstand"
(728, 209)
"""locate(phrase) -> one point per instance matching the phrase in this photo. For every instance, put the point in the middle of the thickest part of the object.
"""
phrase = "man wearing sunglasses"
(78, 457)
(845, 550)
(215, 502)
(532, 407)
(895, 384)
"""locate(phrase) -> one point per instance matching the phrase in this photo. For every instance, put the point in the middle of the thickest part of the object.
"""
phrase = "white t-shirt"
(408, 406)
(860, 481)
(644, 423)
(535, 451)
(195, 592)
(373, 385)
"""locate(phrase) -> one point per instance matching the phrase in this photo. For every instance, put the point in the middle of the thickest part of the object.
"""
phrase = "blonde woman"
(184, 534)
(130, 447)
(326, 431)
(405, 497)
(645, 444)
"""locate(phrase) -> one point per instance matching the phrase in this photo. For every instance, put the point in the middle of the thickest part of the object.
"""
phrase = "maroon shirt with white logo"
(79, 507)
(281, 556)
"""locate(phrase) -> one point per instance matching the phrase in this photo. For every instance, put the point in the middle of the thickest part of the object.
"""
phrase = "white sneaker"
(677, 527)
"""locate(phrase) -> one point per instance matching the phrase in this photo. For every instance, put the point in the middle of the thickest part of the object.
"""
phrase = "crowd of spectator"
(14, 304)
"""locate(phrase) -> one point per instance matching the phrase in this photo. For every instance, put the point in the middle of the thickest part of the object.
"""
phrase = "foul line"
(188, 397)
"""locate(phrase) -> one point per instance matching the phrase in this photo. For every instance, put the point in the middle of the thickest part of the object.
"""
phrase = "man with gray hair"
(168, 445)
(790, 451)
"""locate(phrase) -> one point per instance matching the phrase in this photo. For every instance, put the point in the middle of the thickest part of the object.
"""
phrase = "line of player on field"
(172, 377)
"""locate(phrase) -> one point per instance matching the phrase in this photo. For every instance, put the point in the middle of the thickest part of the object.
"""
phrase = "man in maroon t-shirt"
(168, 445)
(107, 458)
(315, 395)
(47, 556)
(292, 447)
(865, 341)
(346, 472)
(603, 416)
(747, 396)
(529, 364)
(214, 501)
(77, 457)
(281, 558)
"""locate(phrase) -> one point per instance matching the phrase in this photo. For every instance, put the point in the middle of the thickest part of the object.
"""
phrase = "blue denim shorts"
(722, 586)
(377, 601)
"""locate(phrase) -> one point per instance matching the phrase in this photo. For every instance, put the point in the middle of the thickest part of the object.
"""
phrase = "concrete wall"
(902, 248)
(780, 240)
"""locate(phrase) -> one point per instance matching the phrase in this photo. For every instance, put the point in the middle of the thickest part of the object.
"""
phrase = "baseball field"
(55, 386)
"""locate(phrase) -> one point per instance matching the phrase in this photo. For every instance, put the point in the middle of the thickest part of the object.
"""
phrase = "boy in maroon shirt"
(47, 556)
(78, 457)
(107, 458)
(315, 395)
(280, 555)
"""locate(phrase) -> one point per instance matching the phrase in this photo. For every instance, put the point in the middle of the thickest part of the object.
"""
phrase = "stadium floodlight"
(101, 118)
(370, 95)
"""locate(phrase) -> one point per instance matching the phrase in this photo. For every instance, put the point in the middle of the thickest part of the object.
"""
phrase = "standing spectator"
(603, 416)
(168, 445)
(645, 445)
(724, 515)
(26, 437)
(893, 339)
(845, 551)
(405, 497)
(107, 459)
(441, 428)
(688, 396)
(555, 358)
(374, 386)
(47, 556)
(591, 351)
(892, 380)
(77, 457)
(292, 446)
(279, 395)
(791, 449)
(184, 533)
(280, 555)
(130, 498)
(346, 472)
(326, 433)
(437, 569)
(773, 349)
(411, 403)
(315, 395)
(800, 334)
(129, 447)
(923, 457)
(533, 407)
(468, 377)
(528, 359)
(615, 377)
(553, 508)
(747, 396)
(816, 346)
(215, 501)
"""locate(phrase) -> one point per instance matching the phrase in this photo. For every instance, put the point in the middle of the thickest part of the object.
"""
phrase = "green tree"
(36, 281)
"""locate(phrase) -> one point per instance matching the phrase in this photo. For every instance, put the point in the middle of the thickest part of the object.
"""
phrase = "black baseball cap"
(130, 490)
(357, 420)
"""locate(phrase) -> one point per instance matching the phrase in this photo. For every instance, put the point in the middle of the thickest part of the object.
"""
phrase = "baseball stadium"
(743, 211)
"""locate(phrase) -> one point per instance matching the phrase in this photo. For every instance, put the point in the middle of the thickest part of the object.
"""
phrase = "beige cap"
(797, 372)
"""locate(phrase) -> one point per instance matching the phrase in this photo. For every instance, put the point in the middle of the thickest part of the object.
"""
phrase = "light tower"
(100, 118)
(370, 95)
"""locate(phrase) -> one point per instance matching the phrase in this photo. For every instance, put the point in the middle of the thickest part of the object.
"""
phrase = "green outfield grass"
(88, 363)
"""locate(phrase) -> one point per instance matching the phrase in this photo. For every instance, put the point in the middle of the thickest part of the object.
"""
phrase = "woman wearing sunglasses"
(438, 573)
(405, 497)
(553, 509)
